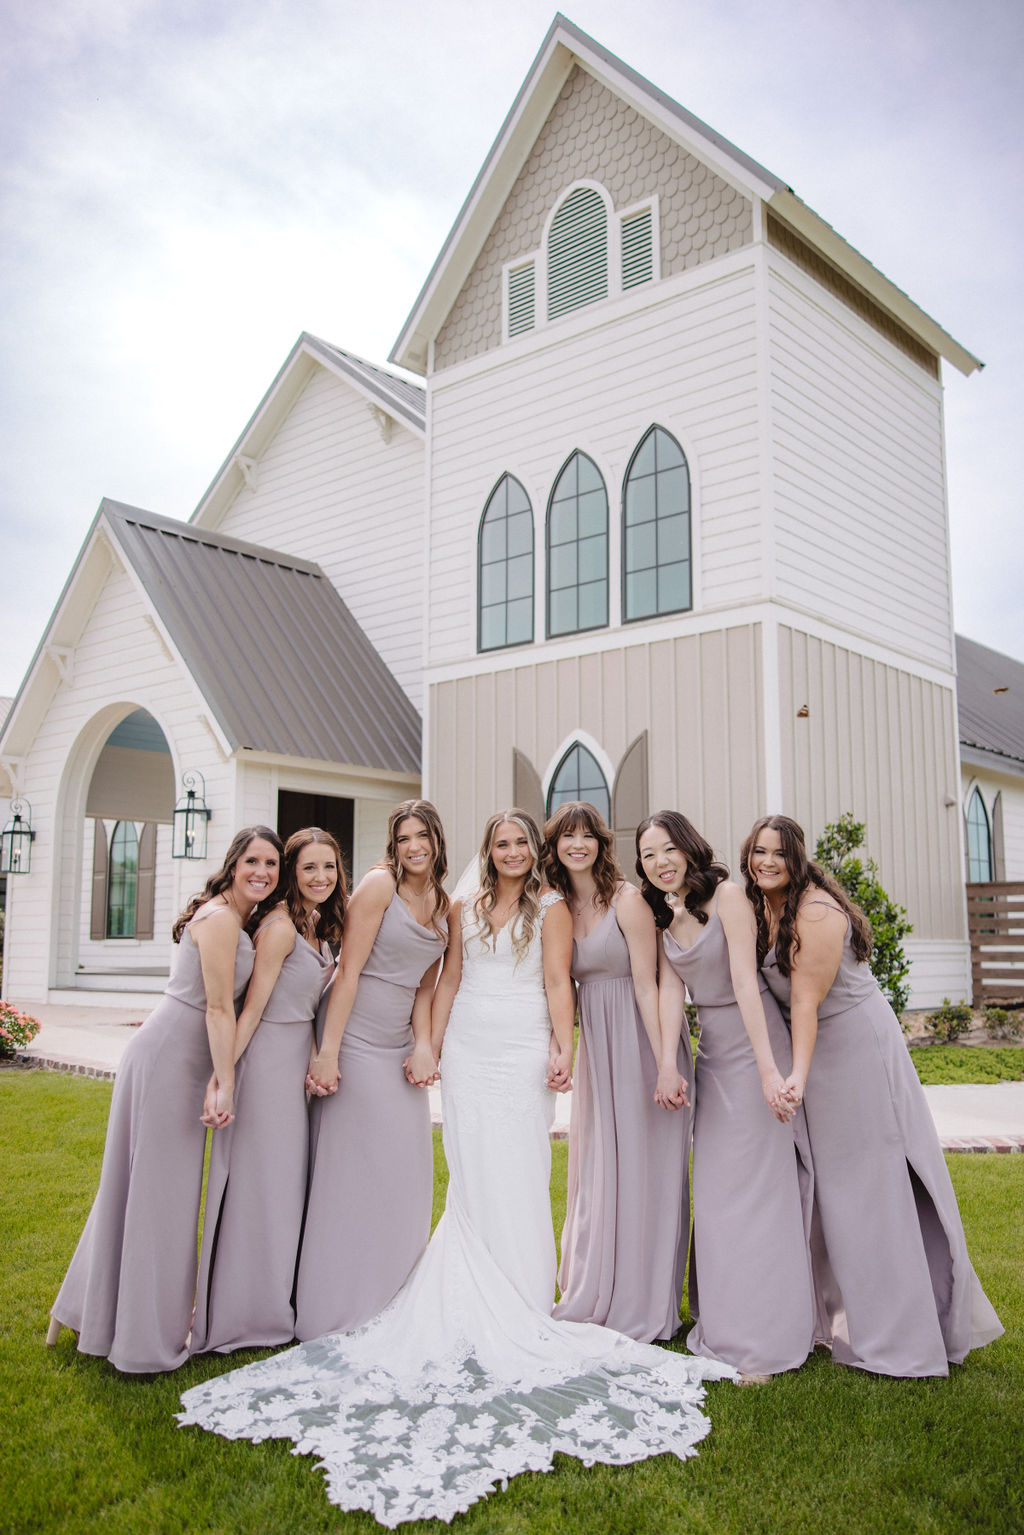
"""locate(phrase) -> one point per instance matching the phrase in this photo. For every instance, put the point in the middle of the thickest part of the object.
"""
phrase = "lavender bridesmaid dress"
(371, 1173)
(129, 1290)
(897, 1283)
(628, 1213)
(256, 1185)
(751, 1290)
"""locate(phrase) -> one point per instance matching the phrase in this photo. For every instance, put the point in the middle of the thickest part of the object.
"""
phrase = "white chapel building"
(651, 511)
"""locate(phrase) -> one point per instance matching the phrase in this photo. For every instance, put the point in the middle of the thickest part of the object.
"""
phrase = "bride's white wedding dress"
(465, 1380)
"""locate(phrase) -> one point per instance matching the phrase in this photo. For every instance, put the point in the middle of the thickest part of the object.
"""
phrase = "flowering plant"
(16, 1029)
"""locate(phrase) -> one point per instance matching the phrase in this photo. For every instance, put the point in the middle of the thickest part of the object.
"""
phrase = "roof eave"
(564, 45)
(805, 222)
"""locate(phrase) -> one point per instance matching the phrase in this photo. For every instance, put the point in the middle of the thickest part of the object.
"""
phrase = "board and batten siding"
(119, 664)
(696, 696)
(861, 535)
(329, 488)
(686, 362)
(881, 743)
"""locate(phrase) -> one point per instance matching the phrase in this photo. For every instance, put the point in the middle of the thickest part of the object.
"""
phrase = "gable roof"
(272, 648)
(564, 46)
(399, 398)
(990, 702)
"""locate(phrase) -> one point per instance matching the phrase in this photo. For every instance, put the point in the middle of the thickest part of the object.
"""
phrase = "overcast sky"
(185, 185)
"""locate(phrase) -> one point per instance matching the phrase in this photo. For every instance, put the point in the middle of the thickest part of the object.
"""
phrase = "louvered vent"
(577, 253)
(638, 248)
(521, 299)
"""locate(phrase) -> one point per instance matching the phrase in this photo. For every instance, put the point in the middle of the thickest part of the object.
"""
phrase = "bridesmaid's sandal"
(53, 1332)
(753, 1380)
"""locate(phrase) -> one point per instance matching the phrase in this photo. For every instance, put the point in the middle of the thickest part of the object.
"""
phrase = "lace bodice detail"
(492, 963)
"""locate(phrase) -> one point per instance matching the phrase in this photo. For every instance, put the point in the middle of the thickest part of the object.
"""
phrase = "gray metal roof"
(274, 650)
(394, 392)
(990, 700)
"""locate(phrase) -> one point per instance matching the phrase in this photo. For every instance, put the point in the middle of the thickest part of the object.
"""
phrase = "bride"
(465, 1379)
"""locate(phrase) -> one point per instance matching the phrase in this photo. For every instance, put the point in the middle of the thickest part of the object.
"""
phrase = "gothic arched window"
(656, 566)
(579, 776)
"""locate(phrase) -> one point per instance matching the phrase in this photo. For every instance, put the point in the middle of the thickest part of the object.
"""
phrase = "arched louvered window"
(656, 567)
(579, 776)
(979, 840)
(577, 253)
(505, 569)
(577, 549)
(122, 881)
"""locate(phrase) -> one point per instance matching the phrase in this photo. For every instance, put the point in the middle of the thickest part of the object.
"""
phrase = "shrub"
(1001, 1023)
(17, 1029)
(950, 1020)
(889, 925)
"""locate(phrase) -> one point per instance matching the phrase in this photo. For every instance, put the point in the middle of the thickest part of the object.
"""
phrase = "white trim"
(771, 711)
(593, 317)
(622, 215)
(596, 750)
(708, 619)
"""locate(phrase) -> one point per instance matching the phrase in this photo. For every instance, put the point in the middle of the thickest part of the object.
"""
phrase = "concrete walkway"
(90, 1040)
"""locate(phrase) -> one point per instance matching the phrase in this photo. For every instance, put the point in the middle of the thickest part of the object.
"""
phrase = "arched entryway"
(114, 877)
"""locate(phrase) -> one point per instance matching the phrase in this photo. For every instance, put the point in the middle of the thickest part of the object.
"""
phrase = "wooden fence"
(995, 917)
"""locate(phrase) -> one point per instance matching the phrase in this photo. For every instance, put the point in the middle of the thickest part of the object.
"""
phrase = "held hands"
(671, 1091)
(794, 1090)
(218, 1105)
(420, 1067)
(559, 1077)
(777, 1096)
(322, 1076)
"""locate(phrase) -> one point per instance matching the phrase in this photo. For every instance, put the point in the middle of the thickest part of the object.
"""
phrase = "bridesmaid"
(903, 1297)
(256, 1186)
(129, 1291)
(751, 1291)
(371, 1151)
(628, 1213)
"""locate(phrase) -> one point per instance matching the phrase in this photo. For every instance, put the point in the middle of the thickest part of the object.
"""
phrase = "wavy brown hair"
(331, 922)
(221, 881)
(704, 873)
(803, 872)
(523, 924)
(577, 815)
(424, 811)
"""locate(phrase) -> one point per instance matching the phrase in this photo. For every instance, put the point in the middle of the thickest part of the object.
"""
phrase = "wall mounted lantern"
(190, 818)
(16, 839)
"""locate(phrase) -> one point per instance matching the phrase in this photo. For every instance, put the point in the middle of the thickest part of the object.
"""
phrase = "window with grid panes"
(656, 566)
(577, 549)
(505, 568)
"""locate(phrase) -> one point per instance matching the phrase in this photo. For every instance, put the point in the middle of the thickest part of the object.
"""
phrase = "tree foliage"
(859, 878)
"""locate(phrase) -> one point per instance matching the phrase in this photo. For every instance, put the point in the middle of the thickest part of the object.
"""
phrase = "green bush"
(950, 1020)
(1002, 1022)
(859, 878)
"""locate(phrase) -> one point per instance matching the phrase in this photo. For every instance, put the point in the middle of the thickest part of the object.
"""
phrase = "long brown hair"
(221, 881)
(577, 815)
(523, 924)
(331, 921)
(802, 872)
(424, 811)
(703, 871)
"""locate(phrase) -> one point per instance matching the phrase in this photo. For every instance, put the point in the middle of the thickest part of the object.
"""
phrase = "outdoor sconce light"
(16, 840)
(190, 818)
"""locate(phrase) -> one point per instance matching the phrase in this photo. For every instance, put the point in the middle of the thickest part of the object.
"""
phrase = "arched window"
(577, 541)
(577, 253)
(505, 568)
(578, 776)
(656, 529)
(979, 841)
(122, 881)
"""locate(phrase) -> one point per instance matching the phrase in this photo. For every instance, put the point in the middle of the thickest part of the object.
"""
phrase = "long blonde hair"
(523, 922)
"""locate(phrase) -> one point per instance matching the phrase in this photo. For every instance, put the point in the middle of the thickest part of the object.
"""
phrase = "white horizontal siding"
(937, 970)
(860, 516)
(329, 489)
(687, 363)
(119, 665)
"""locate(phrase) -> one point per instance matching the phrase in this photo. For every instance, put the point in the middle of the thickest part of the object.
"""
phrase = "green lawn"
(937, 1064)
(823, 1450)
